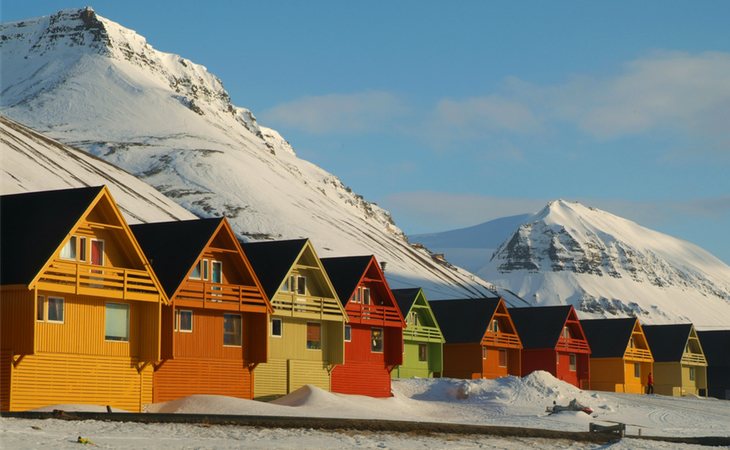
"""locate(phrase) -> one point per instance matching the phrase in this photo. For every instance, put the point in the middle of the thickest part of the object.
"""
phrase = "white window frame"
(382, 340)
(73, 247)
(495, 326)
(240, 318)
(103, 250)
(82, 252)
(348, 328)
(366, 299)
(281, 328)
(301, 284)
(63, 310)
(179, 321)
(129, 316)
(306, 337)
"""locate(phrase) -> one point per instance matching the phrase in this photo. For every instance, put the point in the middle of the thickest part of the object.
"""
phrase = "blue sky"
(453, 113)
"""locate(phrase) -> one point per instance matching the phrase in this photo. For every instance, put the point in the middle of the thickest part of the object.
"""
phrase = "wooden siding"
(220, 296)
(361, 378)
(6, 363)
(271, 379)
(47, 379)
(558, 364)
(293, 342)
(412, 367)
(617, 375)
(17, 321)
(307, 307)
(308, 372)
(672, 378)
(206, 339)
(462, 361)
(188, 376)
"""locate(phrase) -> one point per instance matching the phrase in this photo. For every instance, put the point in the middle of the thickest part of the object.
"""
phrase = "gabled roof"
(465, 320)
(345, 273)
(716, 345)
(272, 261)
(405, 298)
(608, 338)
(173, 247)
(540, 326)
(33, 225)
(667, 342)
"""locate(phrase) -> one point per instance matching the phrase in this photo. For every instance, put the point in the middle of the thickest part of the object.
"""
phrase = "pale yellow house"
(680, 367)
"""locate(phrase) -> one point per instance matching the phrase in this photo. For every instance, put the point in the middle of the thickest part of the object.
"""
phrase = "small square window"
(422, 352)
(116, 322)
(314, 336)
(376, 340)
(276, 329)
(40, 314)
(55, 309)
(185, 319)
(348, 333)
(232, 330)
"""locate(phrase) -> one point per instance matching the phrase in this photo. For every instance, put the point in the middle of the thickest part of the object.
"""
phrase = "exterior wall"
(541, 359)
(279, 377)
(17, 321)
(667, 378)
(491, 367)
(718, 381)
(607, 374)
(364, 372)
(412, 367)
(698, 386)
(636, 385)
(181, 377)
(462, 361)
(49, 379)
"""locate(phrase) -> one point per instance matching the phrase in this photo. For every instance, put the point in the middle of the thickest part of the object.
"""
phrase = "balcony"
(499, 339)
(373, 314)
(573, 345)
(307, 307)
(639, 354)
(227, 297)
(697, 359)
(99, 281)
(422, 333)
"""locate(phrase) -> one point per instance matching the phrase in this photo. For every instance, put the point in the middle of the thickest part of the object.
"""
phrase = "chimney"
(382, 265)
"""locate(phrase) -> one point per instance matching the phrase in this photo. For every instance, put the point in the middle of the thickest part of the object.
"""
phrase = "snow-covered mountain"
(606, 265)
(33, 162)
(88, 82)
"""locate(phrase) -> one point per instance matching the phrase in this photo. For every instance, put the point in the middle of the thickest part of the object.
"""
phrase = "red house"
(374, 335)
(553, 340)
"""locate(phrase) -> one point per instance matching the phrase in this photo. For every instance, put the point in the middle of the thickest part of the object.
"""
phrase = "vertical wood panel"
(17, 320)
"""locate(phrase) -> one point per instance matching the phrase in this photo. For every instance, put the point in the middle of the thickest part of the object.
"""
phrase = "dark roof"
(33, 225)
(465, 320)
(272, 261)
(173, 247)
(608, 338)
(540, 326)
(716, 346)
(405, 298)
(345, 273)
(667, 342)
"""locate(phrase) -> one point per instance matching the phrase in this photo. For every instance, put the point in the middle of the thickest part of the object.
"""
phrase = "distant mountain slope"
(33, 162)
(91, 83)
(606, 265)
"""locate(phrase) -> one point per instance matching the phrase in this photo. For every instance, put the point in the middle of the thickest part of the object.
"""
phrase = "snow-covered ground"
(508, 401)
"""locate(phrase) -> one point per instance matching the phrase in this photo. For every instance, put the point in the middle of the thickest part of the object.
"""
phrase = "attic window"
(200, 271)
(361, 295)
(301, 285)
(495, 326)
(69, 250)
(413, 319)
(566, 332)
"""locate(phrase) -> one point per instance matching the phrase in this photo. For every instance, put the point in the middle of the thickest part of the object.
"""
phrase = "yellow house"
(680, 367)
(79, 305)
(621, 359)
(306, 329)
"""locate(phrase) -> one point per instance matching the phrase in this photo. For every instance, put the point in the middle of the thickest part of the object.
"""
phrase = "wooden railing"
(572, 345)
(373, 314)
(307, 306)
(231, 297)
(502, 340)
(639, 353)
(422, 333)
(694, 358)
(101, 281)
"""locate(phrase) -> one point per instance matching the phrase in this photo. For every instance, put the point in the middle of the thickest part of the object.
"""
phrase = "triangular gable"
(637, 340)
(608, 338)
(697, 354)
(576, 330)
(103, 211)
(667, 342)
(424, 307)
(506, 325)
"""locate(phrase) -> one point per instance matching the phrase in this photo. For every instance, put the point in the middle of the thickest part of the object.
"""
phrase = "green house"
(422, 338)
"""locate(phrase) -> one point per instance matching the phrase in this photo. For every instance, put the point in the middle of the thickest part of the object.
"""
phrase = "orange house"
(79, 305)
(620, 356)
(481, 339)
(214, 332)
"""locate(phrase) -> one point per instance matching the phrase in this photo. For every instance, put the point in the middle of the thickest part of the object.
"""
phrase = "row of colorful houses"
(93, 310)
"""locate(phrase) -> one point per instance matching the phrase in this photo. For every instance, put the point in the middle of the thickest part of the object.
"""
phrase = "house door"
(97, 259)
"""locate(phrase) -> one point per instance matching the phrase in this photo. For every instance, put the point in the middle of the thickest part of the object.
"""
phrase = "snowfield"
(508, 401)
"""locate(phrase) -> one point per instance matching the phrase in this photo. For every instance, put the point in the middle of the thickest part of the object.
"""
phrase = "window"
(484, 352)
(69, 250)
(232, 329)
(348, 333)
(82, 249)
(692, 373)
(288, 285)
(566, 333)
(495, 325)
(116, 326)
(301, 285)
(631, 342)
(422, 352)
(376, 340)
(503, 358)
(217, 272)
(314, 336)
(185, 320)
(365, 295)
(97, 252)
(413, 319)
(55, 309)
(200, 270)
(40, 314)
(276, 327)
(573, 363)
(637, 370)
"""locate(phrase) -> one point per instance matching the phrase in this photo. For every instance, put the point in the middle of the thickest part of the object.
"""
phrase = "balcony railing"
(639, 354)
(500, 339)
(373, 314)
(694, 358)
(231, 297)
(573, 345)
(422, 333)
(101, 281)
(307, 306)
